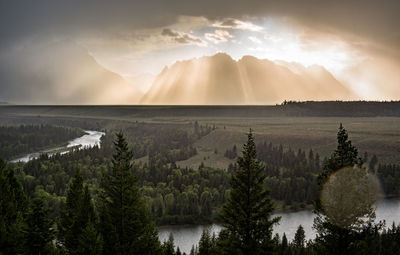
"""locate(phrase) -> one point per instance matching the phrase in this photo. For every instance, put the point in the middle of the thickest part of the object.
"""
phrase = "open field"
(378, 135)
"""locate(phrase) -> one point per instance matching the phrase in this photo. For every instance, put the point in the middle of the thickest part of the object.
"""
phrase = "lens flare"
(350, 196)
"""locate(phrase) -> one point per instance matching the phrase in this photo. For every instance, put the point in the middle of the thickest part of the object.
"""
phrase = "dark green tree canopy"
(246, 215)
(344, 155)
(125, 223)
(39, 228)
(78, 222)
(12, 208)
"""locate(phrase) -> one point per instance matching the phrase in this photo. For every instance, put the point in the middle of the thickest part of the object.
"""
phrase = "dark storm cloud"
(229, 23)
(372, 19)
(169, 32)
(181, 37)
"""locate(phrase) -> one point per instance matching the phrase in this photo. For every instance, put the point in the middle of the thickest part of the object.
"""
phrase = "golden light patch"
(349, 197)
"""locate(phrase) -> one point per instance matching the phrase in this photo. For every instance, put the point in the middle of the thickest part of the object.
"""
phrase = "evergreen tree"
(205, 244)
(69, 227)
(344, 155)
(169, 246)
(332, 238)
(125, 222)
(39, 231)
(246, 214)
(299, 240)
(12, 209)
(299, 237)
(90, 239)
(284, 245)
(77, 226)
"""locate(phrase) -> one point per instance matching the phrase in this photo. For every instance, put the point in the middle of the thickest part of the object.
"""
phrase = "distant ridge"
(290, 109)
(220, 80)
(61, 73)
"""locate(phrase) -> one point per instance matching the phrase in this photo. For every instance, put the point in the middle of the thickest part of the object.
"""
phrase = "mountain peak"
(219, 79)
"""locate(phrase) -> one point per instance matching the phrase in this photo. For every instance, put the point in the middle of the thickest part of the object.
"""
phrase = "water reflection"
(89, 139)
(186, 236)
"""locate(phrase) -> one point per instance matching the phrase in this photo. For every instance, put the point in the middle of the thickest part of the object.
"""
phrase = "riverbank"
(187, 235)
(88, 138)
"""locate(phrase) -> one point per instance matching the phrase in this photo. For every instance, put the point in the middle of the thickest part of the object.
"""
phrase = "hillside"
(61, 73)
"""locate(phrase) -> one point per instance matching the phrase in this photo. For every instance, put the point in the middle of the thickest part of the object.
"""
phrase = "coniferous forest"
(101, 200)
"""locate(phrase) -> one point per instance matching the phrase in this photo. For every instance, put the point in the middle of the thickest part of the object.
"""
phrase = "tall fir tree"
(90, 239)
(331, 238)
(246, 214)
(284, 246)
(126, 225)
(12, 210)
(206, 244)
(168, 246)
(39, 229)
(299, 241)
(77, 227)
(345, 155)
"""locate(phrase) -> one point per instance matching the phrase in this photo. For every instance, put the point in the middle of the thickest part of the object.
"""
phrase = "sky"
(357, 41)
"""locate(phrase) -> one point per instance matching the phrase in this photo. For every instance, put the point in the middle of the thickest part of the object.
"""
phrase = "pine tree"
(77, 227)
(345, 155)
(332, 238)
(39, 231)
(299, 240)
(125, 222)
(12, 209)
(246, 214)
(89, 240)
(169, 246)
(299, 237)
(284, 245)
(69, 227)
(205, 243)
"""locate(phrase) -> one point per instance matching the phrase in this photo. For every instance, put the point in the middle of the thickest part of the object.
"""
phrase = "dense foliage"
(178, 195)
(12, 210)
(75, 198)
(23, 139)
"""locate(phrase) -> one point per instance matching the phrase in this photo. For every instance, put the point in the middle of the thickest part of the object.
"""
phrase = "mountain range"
(64, 73)
(219, 79)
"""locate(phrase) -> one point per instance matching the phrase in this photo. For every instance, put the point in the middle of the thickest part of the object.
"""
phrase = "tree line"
(22, 139)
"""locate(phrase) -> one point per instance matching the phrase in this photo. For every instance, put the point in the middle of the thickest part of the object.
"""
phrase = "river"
(89, 139)
(186, 236)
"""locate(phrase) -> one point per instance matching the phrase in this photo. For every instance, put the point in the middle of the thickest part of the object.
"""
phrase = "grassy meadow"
(379, 135)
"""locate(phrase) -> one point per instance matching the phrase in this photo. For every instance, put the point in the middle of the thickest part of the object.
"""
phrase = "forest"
(164, 194)
(15, 141)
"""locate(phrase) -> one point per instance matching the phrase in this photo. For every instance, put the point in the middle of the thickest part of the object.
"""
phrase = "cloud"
(375, 20)
(237, 24)
(182, 37)
(255, 40)
(169, 32)
(218, 36)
